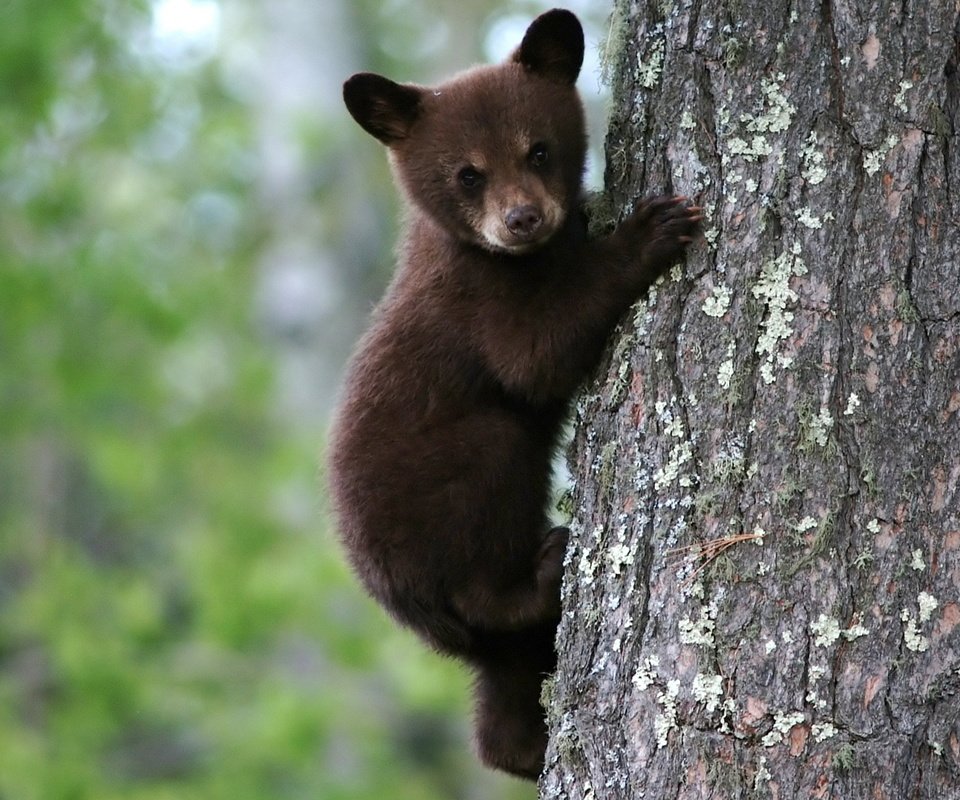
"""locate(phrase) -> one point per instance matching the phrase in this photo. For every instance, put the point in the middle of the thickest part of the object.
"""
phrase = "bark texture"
(763, 592)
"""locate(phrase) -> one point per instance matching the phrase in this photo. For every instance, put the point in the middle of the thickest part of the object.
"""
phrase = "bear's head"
(495, 155)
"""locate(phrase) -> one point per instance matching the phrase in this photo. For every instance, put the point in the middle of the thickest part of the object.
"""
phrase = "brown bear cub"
(441, 449)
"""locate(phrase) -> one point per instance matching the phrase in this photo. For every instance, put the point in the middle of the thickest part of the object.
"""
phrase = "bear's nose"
(523, 220)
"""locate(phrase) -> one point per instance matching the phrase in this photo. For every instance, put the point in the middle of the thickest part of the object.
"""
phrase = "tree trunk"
(762, 590)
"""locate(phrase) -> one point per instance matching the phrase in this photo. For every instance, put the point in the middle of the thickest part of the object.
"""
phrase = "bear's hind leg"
(511, 729)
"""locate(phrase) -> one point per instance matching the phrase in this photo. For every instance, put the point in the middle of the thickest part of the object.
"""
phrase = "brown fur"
(441, 449)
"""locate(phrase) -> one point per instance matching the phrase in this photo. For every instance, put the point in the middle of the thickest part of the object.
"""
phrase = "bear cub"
(440, 452)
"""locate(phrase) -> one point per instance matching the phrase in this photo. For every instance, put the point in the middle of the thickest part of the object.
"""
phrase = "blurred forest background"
(192, 232)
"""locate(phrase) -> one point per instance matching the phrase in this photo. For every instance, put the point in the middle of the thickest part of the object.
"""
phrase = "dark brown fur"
(441, 450)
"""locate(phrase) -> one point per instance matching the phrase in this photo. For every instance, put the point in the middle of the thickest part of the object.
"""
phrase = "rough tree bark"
(763, 592)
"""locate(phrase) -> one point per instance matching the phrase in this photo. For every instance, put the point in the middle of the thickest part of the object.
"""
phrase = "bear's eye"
(470, 178)
(538, 155)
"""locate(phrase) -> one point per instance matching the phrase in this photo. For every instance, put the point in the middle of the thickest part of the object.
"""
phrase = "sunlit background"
(192, 233)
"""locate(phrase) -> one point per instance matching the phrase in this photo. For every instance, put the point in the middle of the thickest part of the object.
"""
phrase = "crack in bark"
(951, 105)
(644, 570)
(888, 689)
(679, 390)
(847, 444)
(710, 107)
(916, 210)
(826, 12)
(694, 24)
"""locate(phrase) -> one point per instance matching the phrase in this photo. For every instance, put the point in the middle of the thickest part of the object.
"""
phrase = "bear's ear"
(383, 108)
(552, 47)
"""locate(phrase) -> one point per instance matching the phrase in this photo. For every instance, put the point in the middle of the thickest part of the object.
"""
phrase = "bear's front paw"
(553, 549)
(662, 227)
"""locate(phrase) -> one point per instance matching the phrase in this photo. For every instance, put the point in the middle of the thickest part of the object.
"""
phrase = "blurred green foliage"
(174, 622)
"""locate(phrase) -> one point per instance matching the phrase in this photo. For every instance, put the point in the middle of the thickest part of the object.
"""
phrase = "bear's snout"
(523, 221)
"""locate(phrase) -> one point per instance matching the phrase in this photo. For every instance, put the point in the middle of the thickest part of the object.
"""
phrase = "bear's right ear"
(383, 108)
(552, 47)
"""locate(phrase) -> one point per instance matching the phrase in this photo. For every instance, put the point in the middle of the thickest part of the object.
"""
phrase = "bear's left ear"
(552, 47)
(383, 108)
